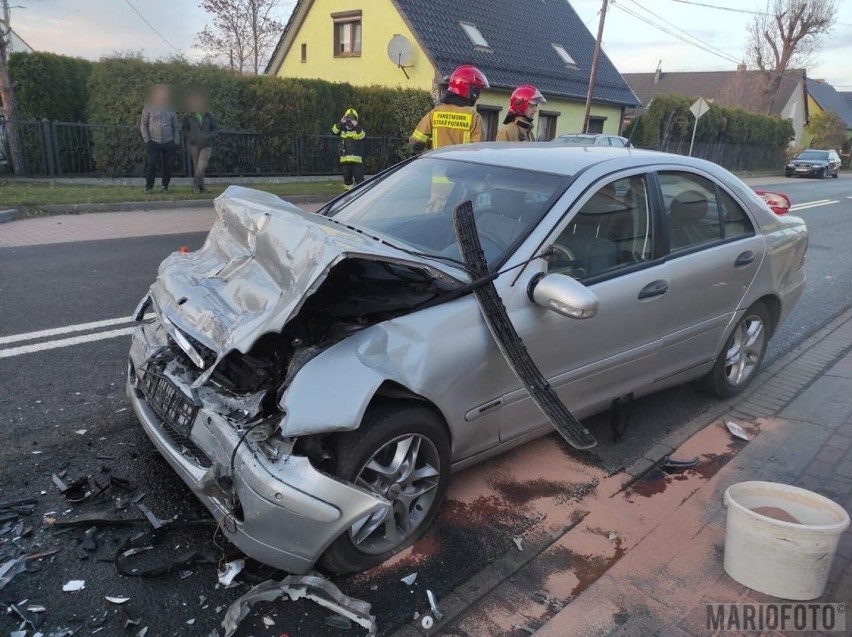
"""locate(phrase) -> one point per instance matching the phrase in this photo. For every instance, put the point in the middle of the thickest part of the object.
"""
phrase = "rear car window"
(691, 209)
(736, 222)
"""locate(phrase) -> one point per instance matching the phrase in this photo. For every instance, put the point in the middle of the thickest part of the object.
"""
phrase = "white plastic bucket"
(781, 558)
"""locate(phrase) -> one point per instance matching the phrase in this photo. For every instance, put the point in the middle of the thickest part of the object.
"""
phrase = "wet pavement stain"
(522, 493)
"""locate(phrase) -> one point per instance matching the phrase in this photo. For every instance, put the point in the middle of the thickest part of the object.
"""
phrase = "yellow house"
(822, 96)
(418, 43)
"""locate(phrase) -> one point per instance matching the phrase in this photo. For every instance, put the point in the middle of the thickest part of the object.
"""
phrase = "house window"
(564, 56)
(475, 36)
(546, 125)
(304, 52)
(347, 33)
(490, 121)
(596, 125)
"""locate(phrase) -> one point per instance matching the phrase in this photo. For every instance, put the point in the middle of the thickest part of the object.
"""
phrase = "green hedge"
(668, 120)
(49, 86)
(276, 107)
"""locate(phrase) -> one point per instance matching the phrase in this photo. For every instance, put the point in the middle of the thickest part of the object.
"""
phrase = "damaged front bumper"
(282, 512)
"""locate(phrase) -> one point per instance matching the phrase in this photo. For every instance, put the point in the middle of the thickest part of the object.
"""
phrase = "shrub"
(49, 86)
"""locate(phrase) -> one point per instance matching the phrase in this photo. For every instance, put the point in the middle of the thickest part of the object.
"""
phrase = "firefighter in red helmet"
(518, 125)
(455, 120)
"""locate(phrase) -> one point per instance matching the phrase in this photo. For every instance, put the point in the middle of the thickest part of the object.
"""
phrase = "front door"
(607, 242)
(714, 255)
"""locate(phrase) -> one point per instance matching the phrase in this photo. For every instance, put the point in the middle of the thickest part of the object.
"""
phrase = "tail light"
(778, 202)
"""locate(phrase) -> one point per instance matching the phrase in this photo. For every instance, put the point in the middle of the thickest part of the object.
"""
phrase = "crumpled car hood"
(262, 259)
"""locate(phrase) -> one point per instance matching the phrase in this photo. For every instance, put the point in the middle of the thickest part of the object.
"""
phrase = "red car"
(778, 202)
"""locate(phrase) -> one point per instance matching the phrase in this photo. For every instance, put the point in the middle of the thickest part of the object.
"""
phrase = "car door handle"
(746, 258)
(655, 288)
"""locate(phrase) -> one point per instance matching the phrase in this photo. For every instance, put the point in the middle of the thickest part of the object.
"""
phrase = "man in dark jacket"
(351, 148)
(160, 132)
(199, 128)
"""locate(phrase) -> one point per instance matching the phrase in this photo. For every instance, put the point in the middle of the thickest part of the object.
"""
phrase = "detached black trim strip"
(507, 339)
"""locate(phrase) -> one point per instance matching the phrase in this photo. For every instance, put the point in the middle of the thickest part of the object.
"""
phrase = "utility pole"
(594, 73)
(7, 93)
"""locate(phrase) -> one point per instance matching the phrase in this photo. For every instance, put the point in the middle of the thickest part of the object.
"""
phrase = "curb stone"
(11, 214)
(795, 366)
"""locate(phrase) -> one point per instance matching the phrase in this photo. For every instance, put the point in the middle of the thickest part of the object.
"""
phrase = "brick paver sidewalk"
(109, 225)
(645, 555)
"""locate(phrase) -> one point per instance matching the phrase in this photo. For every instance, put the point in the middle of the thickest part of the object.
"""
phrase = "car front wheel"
(402, 453)
(742, 356)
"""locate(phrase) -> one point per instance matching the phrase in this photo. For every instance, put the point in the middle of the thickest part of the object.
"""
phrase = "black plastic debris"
(10, 569)
(675, 465)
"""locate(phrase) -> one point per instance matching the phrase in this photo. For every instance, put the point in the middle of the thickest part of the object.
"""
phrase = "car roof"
(556, 158)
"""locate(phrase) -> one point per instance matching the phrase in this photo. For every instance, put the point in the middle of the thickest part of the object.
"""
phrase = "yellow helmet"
(351, 112)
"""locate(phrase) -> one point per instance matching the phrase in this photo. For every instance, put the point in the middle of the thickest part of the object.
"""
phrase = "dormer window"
(564, 56)
(475, 36)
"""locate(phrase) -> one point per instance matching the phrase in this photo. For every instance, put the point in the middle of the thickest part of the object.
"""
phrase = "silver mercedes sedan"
(316, 378)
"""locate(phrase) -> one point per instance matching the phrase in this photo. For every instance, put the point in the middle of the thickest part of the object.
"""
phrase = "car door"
(713, 256)
(606, 241)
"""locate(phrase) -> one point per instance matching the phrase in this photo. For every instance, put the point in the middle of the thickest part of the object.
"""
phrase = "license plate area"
(168, 402)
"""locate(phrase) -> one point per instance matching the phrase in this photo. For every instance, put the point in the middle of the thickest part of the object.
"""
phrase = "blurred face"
(532, 109)
(196, 102)
(159, 95)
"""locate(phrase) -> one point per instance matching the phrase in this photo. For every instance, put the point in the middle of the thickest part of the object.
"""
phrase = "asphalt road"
(60, 409)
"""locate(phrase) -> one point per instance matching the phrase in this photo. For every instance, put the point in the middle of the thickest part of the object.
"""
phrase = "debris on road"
(612, 537)
(36, 608)
(117, 600)
(543, 598)
(231, 570)
(268, 621)
(673, 465)
(336, 621)
(525, 629)
(74, 585)
(433, 604)
(427, 622)
(519, 542)
(313, 587)
(737, 431)
(10, 569)
(409, 580)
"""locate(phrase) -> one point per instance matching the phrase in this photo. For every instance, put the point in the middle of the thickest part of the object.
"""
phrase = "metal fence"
(65, 149)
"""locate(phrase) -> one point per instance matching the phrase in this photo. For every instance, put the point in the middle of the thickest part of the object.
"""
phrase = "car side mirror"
(564, 295)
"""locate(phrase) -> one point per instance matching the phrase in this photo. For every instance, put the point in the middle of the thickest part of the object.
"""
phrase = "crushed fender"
(313, 587)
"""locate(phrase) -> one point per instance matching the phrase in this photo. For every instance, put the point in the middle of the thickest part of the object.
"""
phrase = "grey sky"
(92, 28)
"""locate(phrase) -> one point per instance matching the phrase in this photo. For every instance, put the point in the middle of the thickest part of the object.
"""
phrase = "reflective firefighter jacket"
(448, 124)
(351, 142)
(515, 132)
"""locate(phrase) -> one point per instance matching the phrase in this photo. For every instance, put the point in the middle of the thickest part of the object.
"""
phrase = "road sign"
(699, 108)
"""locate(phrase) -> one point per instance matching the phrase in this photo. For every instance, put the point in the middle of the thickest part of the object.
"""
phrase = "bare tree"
(788, 35)
(7, 91)
(241, 33)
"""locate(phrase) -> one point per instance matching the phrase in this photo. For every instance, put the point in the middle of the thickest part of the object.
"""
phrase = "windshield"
(814, 155)
(413, 205)
(576, 140)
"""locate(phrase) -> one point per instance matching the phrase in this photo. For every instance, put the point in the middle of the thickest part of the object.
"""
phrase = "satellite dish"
(400, 52)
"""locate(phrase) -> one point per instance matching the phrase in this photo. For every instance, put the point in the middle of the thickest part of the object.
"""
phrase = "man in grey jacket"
(161, 134)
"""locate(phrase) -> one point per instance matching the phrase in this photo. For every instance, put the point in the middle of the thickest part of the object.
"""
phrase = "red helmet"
(522, 97)
(468, 81)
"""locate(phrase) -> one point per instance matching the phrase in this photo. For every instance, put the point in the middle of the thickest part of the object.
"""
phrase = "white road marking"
(814, 204)
(64, 342)
(68, 329)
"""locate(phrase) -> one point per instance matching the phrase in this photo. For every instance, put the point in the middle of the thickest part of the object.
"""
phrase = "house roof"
(847, 97)
(520, 38)
(830, 100)
(726, 88)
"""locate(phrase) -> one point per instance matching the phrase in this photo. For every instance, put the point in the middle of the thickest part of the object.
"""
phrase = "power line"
(150, 26)
(735, 10)
(687, 33)
(638, 16)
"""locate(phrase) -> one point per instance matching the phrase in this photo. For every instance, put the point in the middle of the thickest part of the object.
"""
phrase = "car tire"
(836, 173)
(727, 378)
(380, 439)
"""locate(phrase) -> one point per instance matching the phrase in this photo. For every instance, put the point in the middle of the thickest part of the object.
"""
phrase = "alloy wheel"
(405, 471)
(746, 350)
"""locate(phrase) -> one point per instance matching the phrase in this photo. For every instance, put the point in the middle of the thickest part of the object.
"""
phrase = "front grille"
(174, 412)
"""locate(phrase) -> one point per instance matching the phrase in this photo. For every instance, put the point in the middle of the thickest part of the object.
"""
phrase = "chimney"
(657, 74)
(741, 67)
